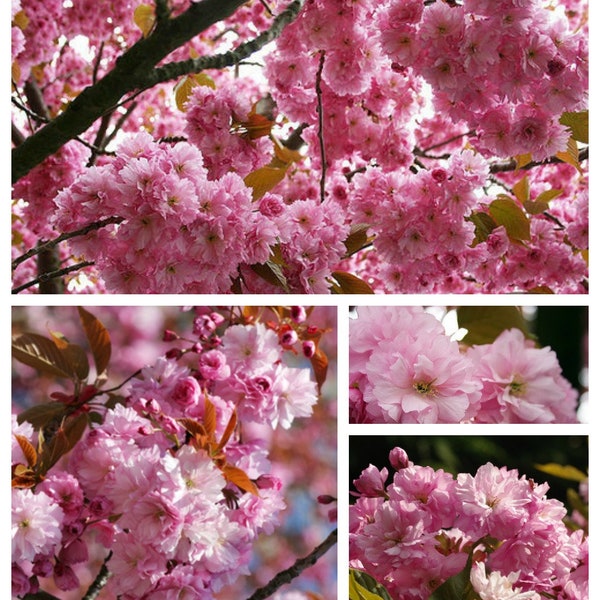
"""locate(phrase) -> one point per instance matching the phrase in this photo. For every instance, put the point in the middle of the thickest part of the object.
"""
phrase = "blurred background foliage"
(465, 454)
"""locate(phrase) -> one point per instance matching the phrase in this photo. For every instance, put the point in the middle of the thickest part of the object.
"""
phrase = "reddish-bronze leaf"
(98, 338)
(239, 478)
(210, 417)
(228, 431)
(27, 448)
(193, 427)
(62, 441)
(39, 416)
(319, 362)
(42, 354)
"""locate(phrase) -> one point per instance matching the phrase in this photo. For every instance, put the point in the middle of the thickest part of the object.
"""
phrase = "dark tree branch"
(100, 581)
(36, 99)
(48, 261)
(45, 277)
(130, 73)
(296, 569)
(100, 139)
(64, 236)
(320, 132)
(227, 59)
(16, 136)
(448, 141)
(511, 165)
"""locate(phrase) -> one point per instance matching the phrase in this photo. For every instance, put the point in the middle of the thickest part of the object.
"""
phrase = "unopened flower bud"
(169, 336)
(326, 499)
(298, 314)
(309, 348)
(399, 459)
(288, 338)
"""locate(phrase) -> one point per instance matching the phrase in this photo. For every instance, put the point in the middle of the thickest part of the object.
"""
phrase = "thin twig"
(65, 236)
(48, 276)
(449, 140)
(320, 132)
(100, 139)
(97, 63)
(296, 569)
(119, 124)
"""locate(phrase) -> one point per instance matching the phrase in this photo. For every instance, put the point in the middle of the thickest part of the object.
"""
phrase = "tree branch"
(100, 581)
(288, 575)
(64, 236)
(227, 59)
(320, 132)
(511, 165)
(45, 277)
(130, 73)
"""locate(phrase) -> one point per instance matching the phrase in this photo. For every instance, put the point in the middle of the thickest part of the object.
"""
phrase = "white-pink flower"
(521, 383)
(495, 586)
(36, 524)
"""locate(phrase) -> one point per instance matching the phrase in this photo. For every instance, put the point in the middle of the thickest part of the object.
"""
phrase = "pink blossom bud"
(309, 348)
(168, 424)
(288, 338)
(151, 406)
(217, 318)
(196, 348)
(439, 175)
(371, 482)
(169, 336)
(268, 482)
(174, 353)
(399, 459)
(332, 514)
(326, 499)
(42, 567)
(65, 577)
(76, 552)
(298, 314)
(100, 506)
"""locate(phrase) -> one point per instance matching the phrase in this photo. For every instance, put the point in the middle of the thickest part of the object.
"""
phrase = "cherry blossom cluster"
(412, 117)
(489, 63)
(427, 526)
(404, 368)
(179, 232)
(164, 487)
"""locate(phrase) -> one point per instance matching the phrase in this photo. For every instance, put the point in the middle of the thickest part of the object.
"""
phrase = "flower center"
(424, 387)
(518, 388)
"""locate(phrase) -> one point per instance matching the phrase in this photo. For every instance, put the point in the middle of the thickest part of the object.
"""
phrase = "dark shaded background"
(564, 329)
(465, 454)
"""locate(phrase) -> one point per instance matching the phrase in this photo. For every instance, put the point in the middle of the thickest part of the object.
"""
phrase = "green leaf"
(562, 471)
(350, 284)
(457, 587)
(578, 123)
(484, 225)
(98, 339)
(364, 587)
(505, 211)
(486, 323)
(42, 354)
